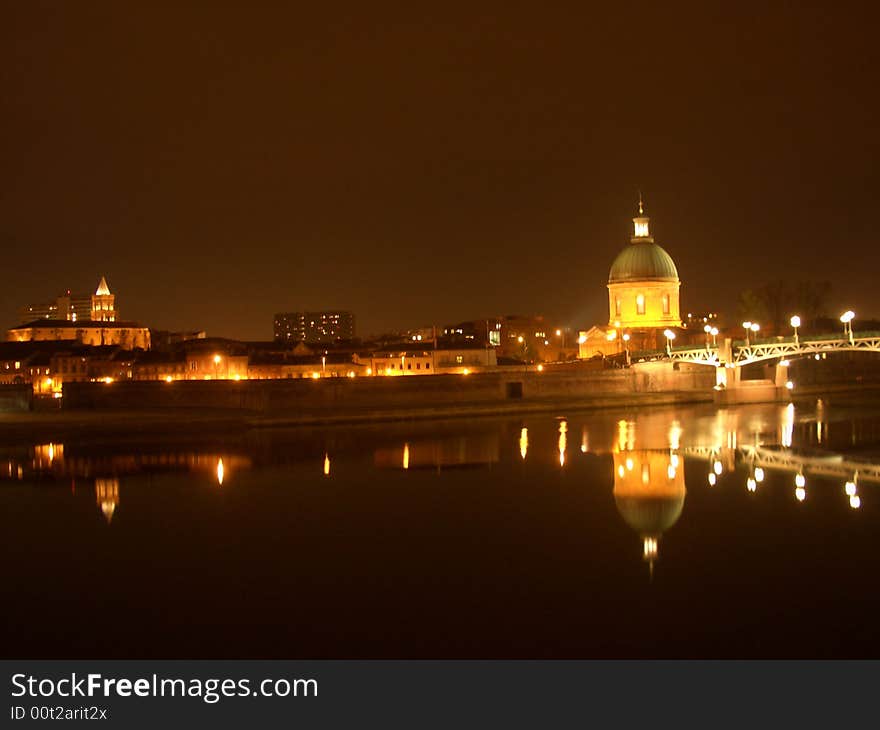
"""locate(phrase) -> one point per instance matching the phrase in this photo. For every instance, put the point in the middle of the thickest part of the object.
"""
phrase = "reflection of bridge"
(730, 357)
(832, 466)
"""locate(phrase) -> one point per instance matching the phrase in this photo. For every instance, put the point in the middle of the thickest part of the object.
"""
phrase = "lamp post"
(755, 327)
(714, 333)
(708, 330)
(795, 323)
(747, 326)
(670, 336)
(626, 339)
(847, 318)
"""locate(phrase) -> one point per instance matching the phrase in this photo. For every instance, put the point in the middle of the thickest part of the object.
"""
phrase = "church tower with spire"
(103, 303)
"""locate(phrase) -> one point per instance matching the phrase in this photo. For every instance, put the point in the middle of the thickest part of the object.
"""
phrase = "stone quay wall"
(359, 395)
(16, 398)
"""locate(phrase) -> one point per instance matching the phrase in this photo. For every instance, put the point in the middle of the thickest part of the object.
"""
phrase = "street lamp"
(714, 333)
(626, 339)
(795, 323)
(708, 330)
(747, 326)
(847, 318)
(670, 336)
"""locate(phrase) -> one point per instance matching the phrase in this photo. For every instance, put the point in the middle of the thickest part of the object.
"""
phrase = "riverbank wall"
(16, 398)
(341, 398)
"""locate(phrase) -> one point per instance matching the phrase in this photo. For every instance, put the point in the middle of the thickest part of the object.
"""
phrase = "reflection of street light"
(670, 336)
(847, 318)
(795, 323)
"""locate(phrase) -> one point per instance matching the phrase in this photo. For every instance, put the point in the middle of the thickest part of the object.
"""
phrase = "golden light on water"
(405, 456)
(800, 494)
(220, 471)
(326, 465)
(563, 441)
(523, 442)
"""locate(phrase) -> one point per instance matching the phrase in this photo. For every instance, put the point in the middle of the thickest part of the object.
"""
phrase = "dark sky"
(426, 164)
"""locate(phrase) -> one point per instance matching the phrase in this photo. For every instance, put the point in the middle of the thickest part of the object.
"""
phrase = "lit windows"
(665, 304)
(640, 304)
(617, 305)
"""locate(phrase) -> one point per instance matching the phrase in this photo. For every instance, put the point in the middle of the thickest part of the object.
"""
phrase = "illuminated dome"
(643, 260)
(643, 286)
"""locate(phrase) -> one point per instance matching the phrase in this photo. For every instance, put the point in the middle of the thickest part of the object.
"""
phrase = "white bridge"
(729, 357)
(782, 348)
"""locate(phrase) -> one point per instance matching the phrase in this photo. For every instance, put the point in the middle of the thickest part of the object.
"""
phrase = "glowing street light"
(626, 339)
(747, 326)
(847, 318)
(795, 323)
(670, 336)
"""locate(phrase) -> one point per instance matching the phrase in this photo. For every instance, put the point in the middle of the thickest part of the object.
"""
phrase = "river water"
(665, 532)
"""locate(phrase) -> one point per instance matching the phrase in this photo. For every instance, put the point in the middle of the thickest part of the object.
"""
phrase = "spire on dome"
(103, 289)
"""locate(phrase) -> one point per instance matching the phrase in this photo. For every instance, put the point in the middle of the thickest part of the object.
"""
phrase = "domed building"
(643, 297)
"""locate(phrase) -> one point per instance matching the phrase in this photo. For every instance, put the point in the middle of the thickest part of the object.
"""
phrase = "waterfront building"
(432, 362)
(128, 335)
(643, 297)
(314, 327)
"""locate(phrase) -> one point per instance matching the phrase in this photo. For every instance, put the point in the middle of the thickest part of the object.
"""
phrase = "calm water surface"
(685, 532)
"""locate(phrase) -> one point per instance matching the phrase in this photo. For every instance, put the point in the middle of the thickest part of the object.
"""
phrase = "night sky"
(423, 164)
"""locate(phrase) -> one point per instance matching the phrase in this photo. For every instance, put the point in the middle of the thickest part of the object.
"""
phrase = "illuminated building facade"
(643, 297)
(314, 327)
(433, 362)
(128, 335)
(103, 303)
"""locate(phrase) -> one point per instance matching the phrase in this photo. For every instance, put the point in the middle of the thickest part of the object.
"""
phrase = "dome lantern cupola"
(641, 229)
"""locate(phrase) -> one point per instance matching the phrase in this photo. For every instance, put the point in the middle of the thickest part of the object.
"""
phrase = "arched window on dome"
(665, 304)
(640, 303)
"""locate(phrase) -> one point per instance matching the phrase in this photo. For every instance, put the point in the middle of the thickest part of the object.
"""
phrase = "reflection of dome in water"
(649, 493)
(650, 515)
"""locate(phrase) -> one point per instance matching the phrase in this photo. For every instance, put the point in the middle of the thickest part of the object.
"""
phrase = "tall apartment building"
(314, 327)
